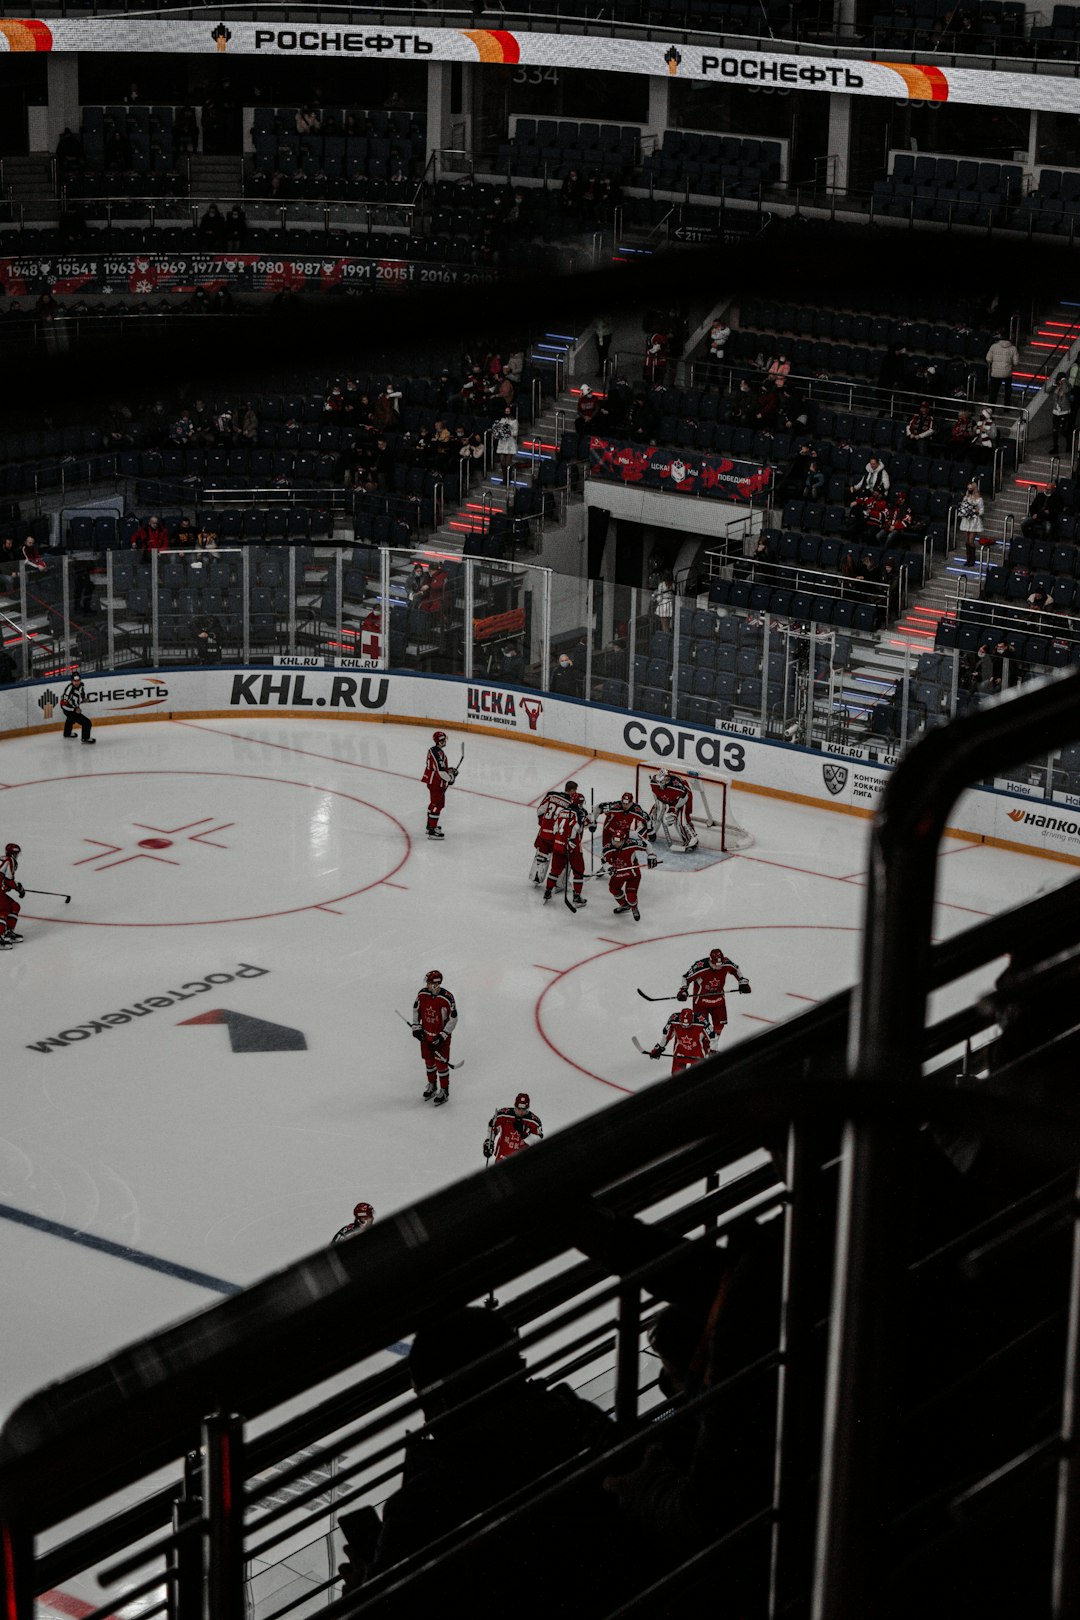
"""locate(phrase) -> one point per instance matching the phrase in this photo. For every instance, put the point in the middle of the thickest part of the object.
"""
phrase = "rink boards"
(850, 782)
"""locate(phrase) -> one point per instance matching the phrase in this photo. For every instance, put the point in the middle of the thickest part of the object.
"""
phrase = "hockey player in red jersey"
(673, 808)
(434, 1018)
(546, 812)
(363, 1216)
(9, 906)
(568, 826)
(438, 775)
(512, 1129)
(624, 816)
(691, 1035)
(704, 980)
(623, 861)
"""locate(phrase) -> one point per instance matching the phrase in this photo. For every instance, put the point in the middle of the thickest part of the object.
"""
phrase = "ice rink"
(253, 901)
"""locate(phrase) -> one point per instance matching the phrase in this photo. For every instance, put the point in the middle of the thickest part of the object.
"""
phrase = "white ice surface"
(299, 847)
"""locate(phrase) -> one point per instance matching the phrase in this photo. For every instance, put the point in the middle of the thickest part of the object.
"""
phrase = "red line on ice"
(659, 939)
(243, 776)
(66, 1603)
(831, 877)
(356, 764)
(557, 787)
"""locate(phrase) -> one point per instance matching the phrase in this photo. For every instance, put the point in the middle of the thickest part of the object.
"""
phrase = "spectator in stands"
(32, 556)
(572, 191)
(386, 408)
(779, 368)
(150, 536)
(719, 338)
(186, 535)
(663, 602)
(515, 366)
(211, 229)
(249, 423)
(185, 130)
(970, 513)
(70, 156)
(1044, 514)
(202, 424)
(335, 400)
(565, 680)
(10, 558)
(657, 350)
(587, 411)
(1001, 358)
(920, 429)
(813, 479)
(504, 389)
(1040, 598)
(504, 433)
(1061, 410)
(961, 436)
(982, 441)
(116, 426)
(744, 406)
(890, 578)
(225, 427)
(47, 308)
(603, 328)
(875, 479)
(995, 652)
(763, 550)
(183, 429)
(307, 121)
(898, 525)
(117, 150)
(207, 538)
(207, 640)
(235, 228)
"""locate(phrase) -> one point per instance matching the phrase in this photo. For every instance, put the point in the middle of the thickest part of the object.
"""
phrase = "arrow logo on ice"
(247, 1034)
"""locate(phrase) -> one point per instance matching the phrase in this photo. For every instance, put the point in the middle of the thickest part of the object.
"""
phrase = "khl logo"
(835, 778)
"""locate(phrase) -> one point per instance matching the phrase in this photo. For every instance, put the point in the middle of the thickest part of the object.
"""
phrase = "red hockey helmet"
(433, 976)
(716, 955)
(521, 1100)
(686, 1016)
(364, 1213)
(618, 840)
(627, 799)
(438, 738)
(13, 849)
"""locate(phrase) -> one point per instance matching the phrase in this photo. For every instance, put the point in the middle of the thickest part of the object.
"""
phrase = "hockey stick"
(66, 898)
(409, 1021)
(644, 1050)
(644, 997)
(566, 891)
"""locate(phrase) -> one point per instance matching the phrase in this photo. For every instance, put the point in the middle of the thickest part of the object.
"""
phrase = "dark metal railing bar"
(889, 1011)
(508, 1511)
(639, 1277)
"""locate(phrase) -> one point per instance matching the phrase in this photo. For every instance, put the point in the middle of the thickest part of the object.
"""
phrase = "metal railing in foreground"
(265, 1484)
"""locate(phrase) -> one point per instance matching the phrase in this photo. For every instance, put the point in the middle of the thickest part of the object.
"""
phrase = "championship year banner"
(684, 472)
(147, 274)
(1003, 87)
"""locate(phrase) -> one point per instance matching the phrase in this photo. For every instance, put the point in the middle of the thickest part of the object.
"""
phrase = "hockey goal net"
(715, 822)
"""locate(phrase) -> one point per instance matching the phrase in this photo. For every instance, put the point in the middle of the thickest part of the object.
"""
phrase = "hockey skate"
(635, 913)
(580, 900)
(547, 896)
(435, 832)
(5, 944)
(429, 1091)
(441, 1097)
(620, 909)
(13, 938)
